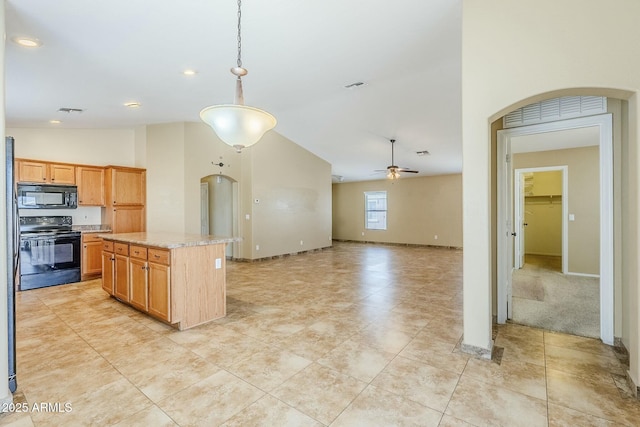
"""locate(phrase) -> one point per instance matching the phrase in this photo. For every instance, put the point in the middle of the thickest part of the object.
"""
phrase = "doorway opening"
(219, 209)
(580, 261)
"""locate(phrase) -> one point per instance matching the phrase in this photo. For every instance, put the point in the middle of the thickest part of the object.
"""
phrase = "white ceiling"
(97, 55)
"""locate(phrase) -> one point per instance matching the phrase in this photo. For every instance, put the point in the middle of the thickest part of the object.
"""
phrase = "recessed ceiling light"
(132, 104)
(189, 72)
(55, 122)
(27, 41)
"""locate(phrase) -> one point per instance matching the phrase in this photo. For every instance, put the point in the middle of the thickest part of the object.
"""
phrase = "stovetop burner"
(45, 224)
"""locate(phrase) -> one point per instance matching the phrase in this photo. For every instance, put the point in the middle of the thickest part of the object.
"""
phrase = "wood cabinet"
(159, 284)
(91, 256)
(45, 172)
(108, 267)
(183, 285)
(121, 277)
(125, 196)
(90, 182)
(125, 186)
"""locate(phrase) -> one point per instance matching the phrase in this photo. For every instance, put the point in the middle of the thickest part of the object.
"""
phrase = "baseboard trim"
(267, 258)
(480, 352)
(569, 273)
(417, 245)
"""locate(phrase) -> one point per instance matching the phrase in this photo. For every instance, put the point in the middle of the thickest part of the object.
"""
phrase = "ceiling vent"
(352, 85)
(422, 153)
(70, 110)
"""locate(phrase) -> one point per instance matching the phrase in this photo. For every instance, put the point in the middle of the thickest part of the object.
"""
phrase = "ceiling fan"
(393, 171)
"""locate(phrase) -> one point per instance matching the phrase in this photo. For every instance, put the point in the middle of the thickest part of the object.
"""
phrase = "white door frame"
(505, 226)
(518, 193)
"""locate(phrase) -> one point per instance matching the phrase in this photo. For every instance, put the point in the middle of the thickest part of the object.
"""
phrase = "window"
(375, 206)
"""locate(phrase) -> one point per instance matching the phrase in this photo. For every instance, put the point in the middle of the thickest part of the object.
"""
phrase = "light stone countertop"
(93, 228)
(169, 240)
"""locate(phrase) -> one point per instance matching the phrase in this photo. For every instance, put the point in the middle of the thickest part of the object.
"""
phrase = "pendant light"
(236, 124)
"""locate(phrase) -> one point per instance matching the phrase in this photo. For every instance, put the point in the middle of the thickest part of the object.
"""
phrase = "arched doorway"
(218, 198)
(507, 228)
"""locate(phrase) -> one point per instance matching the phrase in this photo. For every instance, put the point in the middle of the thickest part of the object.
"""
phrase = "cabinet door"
(129, 187)
(91, 259)
(31, 171)
(159, 291)
(90, 183)
(121, 278)
(62, 174)
(138, 271)
(128, 219)
(108, 261)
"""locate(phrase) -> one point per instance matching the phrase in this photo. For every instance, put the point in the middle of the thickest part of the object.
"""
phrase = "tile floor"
(356, 335)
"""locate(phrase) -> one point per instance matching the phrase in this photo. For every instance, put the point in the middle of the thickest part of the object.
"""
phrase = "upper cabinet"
(125, 186)
(45, 172)
(90, 180)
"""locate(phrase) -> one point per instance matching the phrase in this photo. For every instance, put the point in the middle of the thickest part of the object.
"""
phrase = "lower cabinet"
(159, 290)
(91, 266)
(130, 277)
(108, 266)
(121, 278)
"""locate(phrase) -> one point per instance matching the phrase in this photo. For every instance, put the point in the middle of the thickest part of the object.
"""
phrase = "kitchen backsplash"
(83, 215)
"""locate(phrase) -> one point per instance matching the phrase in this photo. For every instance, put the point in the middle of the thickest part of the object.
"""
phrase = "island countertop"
(169, 240)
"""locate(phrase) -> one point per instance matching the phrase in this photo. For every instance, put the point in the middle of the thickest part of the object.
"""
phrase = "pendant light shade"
(236, 124)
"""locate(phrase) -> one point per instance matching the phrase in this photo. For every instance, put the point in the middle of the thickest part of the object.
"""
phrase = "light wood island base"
(177, 278)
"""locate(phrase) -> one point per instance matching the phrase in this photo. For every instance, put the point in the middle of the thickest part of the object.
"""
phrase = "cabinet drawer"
(161, 256)
(139, 252)
(121, 248)
(90, 237)
(107, 246)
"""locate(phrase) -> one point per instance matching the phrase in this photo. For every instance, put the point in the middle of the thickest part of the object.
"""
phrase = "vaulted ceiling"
(97, 56)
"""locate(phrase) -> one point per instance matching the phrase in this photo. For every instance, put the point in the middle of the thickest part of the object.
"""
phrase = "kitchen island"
(177, 278)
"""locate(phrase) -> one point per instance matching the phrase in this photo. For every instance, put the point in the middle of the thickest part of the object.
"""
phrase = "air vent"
(422, 153)
(70, 110)
(556, 109)
(352, 85)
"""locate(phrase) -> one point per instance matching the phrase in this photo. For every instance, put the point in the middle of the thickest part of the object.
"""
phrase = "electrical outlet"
(363, 233)
(257, 247)
(435, 237)
(218, 263)
(301, 243)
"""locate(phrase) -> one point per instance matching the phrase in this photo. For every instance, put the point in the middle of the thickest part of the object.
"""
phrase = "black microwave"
(42, 196)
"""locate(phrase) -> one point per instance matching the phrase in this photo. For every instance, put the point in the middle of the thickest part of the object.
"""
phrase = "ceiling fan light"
(238, 125)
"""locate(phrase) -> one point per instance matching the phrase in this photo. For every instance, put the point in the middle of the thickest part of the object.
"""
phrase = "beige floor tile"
(593, 366)
(357, 360)
(434, 352)
(319, 392)
(600, 399)
(211, 401)
(419, 382)
(383, 324)
(559, 416)
(449, 421)
(269, 411)
(270, 368)
(377, 407)
(521, 348)
(521, 377)
(152, 416)
(104, 405)
(479, 403)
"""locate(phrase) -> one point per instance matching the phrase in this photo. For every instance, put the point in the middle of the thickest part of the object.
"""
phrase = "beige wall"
(293, 187)
(99, 147)
(583, 201)
(552, 51)
(418, 210)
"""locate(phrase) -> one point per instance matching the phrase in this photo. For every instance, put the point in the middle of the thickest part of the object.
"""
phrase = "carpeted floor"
(543, 297)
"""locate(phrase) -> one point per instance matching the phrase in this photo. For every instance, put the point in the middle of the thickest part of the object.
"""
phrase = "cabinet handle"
(156, 256)
(85, 246)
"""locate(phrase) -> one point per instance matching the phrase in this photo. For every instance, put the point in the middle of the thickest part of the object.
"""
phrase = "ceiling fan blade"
(407, 170)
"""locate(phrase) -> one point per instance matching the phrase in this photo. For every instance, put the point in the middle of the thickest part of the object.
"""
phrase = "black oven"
(48, 257)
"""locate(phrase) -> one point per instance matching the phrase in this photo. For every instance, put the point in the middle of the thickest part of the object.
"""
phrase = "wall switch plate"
(572, 217)
(247, 217)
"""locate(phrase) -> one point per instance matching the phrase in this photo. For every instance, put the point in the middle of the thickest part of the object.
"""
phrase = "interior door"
(505, 229)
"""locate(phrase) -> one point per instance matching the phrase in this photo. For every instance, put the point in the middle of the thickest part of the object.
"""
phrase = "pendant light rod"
(238, 125)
